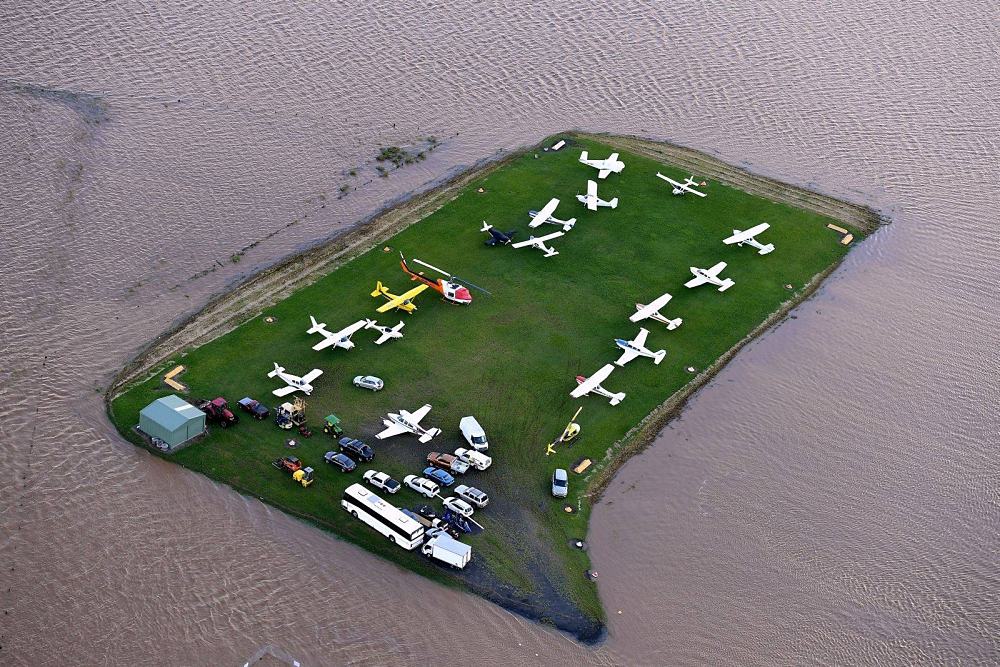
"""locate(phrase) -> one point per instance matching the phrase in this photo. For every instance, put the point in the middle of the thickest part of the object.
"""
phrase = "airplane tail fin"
(766, 249)
(379, 289)
(486, 227)
(370, 324)
(568, 224)
(658, 356)
(617, 398)
(277, 369)
(429, 434)
(726, 284)
(673, 324)
(316, 326)
(551, 252)
(583, 156)
(613, 203)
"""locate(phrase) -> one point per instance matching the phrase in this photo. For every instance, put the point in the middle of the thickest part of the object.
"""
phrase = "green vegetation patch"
(510, 359)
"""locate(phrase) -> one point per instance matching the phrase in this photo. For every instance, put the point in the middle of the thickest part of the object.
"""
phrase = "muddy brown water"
(832, 497)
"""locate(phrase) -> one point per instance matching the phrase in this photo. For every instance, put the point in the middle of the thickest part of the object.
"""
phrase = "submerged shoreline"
(248, 298)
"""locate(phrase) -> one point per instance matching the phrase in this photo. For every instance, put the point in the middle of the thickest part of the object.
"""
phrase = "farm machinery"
(293, 467)
(292, 415)
(217, 412)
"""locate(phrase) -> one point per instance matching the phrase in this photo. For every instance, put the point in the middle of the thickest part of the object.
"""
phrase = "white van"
(473, 433)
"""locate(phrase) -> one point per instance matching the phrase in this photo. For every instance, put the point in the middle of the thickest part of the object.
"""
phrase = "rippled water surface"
(832, 497)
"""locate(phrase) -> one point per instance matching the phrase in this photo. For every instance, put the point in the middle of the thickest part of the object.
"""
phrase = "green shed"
(172, 419)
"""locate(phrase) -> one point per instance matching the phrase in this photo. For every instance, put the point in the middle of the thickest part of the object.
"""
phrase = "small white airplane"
(387, 332)
(610, 165)
(682, 188)
(408, 422)
(545, 215)
(592, 201)
(592, 385)
(702, 276)
(539, 243)
(341, 338)
(637, 348)
(294, 382)
(746, 237)
(652, 312)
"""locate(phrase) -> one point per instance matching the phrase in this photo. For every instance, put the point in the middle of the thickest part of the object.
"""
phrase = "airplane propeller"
(455, 278)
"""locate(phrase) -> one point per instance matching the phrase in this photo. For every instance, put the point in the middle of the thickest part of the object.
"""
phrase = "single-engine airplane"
(408, 422)
(453, 290)
(592, 385)
(637, 348)
(702, 276)
(496, 236)
(539, 243)
(652, 312)
(610, 165)
(387, 332)
(682, 188)
(403, 301)
(592, 201)
(545, 215)
(294, 382)
(746, 237)
(341, 338)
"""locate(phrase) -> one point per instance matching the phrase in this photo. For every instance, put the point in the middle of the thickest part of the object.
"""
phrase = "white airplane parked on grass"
(637, 348)
(539, 243)
(702, 276)
(545, 215)
(592, 201)
(652, 312)
(341, 338)
(408, 422)
(682, 188)
(387, 332)
(746, 237)
(592, 385)
(294, 382)
(610, 165)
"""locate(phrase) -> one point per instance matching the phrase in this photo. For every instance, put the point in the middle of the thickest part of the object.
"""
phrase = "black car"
(357, 449)
(343, 462)
(426, 511)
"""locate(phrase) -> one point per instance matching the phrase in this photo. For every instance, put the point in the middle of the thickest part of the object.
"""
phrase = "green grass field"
(510, 358)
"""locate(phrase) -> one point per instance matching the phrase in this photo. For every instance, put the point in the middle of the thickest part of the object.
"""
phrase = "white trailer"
(446, 549)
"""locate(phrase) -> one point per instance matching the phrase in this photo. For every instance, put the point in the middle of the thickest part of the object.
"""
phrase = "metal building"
(172, 419)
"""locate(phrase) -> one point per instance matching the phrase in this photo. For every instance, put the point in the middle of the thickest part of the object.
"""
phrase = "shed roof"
(171, 412)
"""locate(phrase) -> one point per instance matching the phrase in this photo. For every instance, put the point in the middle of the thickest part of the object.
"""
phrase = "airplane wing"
(325, 343)
(612, 158)
(390, 430)
(415, 417)
(640, 340)
(352, 329)
(311, 375)
(603, 173)
(717, 269)
(669, 180)
(627, 356)
(652, 308)
(592, 189)
(537, 239)
(544, 214)
(591, 382)
(284, 391)
(402, 298)
(746, 234)
(694, 282)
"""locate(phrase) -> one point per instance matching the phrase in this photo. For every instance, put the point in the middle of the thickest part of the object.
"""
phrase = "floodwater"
(832, 497)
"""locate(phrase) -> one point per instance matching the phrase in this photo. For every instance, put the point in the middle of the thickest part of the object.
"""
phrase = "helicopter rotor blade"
(472, 285)
(432, 267)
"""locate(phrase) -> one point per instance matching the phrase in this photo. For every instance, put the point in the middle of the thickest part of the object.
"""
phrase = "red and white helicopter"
(746, 237)
(592, 385)
(451, 288)
(682, 188)
(652, 312)
(538, 218)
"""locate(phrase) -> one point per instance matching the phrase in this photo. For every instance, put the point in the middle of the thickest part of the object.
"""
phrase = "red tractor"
(217, 411)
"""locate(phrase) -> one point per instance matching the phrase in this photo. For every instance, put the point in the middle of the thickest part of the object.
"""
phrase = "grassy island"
(510, 358)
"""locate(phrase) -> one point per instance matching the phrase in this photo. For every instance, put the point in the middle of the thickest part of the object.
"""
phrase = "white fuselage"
(297, 382)
(671, 324)
(762, 249)
(640, 350)
(723, 285)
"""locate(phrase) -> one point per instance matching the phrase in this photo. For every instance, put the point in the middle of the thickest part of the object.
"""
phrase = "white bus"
(383, 517)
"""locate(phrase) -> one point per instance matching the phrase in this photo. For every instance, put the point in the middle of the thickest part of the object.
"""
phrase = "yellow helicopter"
(571, 431)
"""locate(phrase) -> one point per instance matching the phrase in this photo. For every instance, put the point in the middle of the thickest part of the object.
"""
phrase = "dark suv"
(343, 462)
(357, 449)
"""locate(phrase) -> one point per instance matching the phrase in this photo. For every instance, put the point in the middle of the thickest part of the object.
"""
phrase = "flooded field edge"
(247, 298)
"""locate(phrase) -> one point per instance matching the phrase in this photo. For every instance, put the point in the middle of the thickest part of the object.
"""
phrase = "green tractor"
(331, 425)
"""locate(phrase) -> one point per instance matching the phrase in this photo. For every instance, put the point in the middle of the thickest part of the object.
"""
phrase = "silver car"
(473, 495)
(369, 382)
(560, 483)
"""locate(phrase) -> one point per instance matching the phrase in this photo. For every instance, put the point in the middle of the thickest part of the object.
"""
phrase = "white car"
(421, 485)
(380, 480)
(369, 382)
(477, 460)
(473, 495)
(473, 433)
(458, 506)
